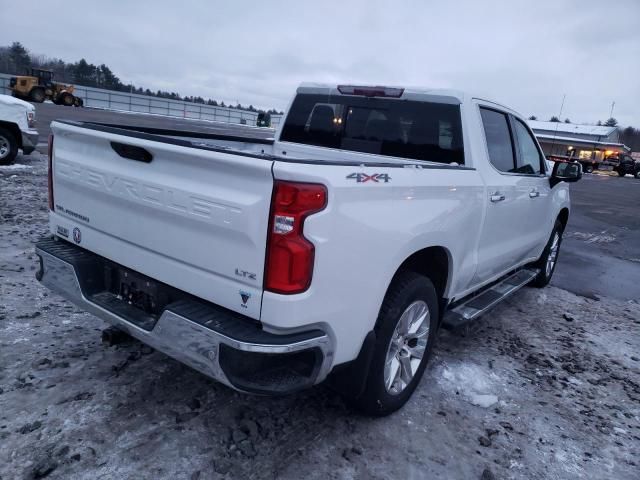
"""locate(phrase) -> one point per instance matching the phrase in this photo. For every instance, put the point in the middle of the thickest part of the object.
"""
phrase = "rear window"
(498, 135)
(399, 128)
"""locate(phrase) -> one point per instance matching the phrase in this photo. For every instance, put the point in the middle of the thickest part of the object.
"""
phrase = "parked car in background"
(588, 165)
(17, 128)
(627, 165)
(334, 251)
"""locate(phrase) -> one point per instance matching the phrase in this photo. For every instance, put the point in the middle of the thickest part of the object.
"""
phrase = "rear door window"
(499, 142)
(409, 129)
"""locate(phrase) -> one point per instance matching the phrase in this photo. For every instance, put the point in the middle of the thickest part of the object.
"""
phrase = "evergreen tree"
(19, 58)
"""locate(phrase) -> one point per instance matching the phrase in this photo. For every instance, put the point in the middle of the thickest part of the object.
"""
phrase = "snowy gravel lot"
(546, 386)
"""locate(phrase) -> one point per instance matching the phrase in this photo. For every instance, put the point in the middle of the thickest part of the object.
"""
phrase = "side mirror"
(565, 172)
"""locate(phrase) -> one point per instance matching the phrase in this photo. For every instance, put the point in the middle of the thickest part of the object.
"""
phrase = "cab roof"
(408, 93)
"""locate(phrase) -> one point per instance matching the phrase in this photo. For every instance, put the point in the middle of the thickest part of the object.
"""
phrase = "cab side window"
(529, 159)
(498, 135)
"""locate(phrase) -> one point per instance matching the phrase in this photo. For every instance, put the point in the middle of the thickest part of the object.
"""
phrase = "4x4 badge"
(374, 177)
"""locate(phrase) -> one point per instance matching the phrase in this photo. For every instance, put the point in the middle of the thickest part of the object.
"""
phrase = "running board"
(475, 306)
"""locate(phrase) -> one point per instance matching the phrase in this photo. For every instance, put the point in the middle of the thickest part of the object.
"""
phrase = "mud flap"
(349, 378)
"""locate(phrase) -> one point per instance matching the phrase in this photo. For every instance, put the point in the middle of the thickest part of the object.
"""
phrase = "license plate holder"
(141, 292)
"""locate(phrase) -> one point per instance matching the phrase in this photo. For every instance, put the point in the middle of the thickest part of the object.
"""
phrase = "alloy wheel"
(407, 347)
(5, 147)
(553, 254)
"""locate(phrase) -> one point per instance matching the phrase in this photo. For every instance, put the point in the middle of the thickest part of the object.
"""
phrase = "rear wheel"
(37, 95)
(588, 168)
(621, 173)
(405, 334)
(78, 102)
(8, 147)
(637, 175)
(549, 259)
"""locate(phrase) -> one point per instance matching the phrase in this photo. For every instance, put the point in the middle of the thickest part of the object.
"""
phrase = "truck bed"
(197, 137)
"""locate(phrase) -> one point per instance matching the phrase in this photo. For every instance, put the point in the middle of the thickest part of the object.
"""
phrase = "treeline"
(15, 59)
(631, 138)
(610, 122)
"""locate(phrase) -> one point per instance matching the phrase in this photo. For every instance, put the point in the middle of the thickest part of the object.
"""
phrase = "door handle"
(534, 194)
(497, 197)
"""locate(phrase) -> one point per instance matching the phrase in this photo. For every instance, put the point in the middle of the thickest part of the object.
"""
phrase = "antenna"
(613, 104)
(553, 142)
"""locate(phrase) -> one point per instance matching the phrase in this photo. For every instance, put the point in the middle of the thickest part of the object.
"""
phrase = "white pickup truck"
(335, 251)
(17, 128)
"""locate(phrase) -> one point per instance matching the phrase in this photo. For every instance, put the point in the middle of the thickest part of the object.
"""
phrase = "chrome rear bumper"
(205, 337)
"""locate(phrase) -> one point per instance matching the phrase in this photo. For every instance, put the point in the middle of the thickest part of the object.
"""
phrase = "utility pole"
(561, 107)
(613, 104)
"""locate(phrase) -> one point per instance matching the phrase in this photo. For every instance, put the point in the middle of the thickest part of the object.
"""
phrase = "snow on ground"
(15, 166)
(590, 237)
(475, 384)
(545, 386)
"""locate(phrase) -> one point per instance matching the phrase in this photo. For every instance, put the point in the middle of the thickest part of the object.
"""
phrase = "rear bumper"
(29, 141)
(219, 343)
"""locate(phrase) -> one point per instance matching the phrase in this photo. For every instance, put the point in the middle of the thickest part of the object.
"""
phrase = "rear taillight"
(50, 172)
(289, 265)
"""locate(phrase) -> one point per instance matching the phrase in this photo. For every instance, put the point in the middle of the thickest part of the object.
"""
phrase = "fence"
(132, 102)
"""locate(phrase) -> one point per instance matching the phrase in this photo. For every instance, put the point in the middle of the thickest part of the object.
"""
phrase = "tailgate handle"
(132, 152)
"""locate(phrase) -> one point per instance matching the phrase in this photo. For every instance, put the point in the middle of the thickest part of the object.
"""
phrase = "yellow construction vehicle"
(38, 86)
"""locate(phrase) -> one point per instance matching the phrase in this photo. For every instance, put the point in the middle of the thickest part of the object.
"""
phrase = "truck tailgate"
(193, 218)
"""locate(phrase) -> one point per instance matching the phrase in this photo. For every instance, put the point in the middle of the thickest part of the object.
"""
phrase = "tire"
(410, 295)
(66, 99)
(588, 169)
(37, 95)
(637, 175)
(78, 102)
(8, 147)
(549, 258)
(621, 173)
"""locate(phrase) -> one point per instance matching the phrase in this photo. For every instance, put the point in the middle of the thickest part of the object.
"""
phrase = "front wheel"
(66, 99)
(588, 168)
(8, 147)
(637, 175)
(549, 259)
(405, 334)
(621, 173)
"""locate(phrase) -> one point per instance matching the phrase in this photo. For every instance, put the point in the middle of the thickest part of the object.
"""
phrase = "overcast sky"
(526, 54)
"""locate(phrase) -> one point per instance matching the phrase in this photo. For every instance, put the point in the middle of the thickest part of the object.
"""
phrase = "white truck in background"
(17, 128)
(333, 252)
